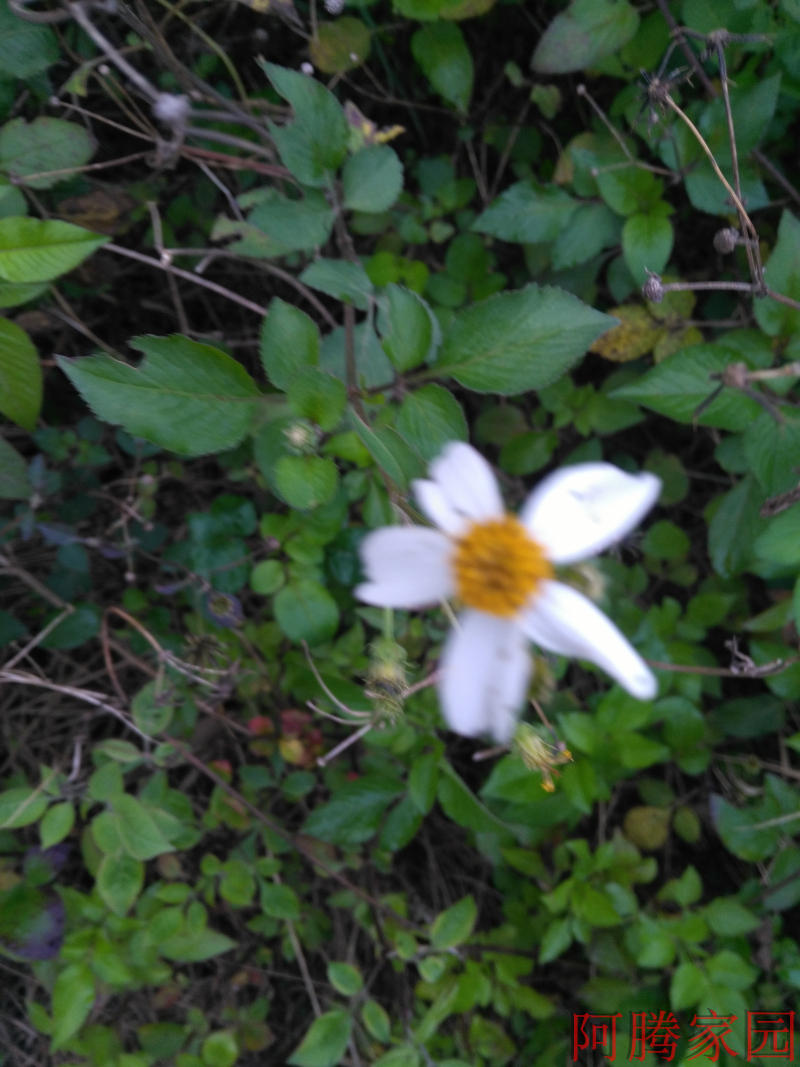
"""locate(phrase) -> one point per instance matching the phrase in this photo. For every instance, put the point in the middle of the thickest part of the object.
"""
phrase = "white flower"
(500, 567)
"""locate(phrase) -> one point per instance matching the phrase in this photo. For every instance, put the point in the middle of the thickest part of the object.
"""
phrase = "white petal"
(406, 567)
(437, 508)
(483, 676)
(467, 482)
(578, 511)
(562, 620)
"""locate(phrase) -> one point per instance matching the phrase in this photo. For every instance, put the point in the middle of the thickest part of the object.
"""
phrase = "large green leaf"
(306, 611)
(782, 274)
(528, 212)
(430, 417)
(647, 242)
(20, 376)
(293, 225)
(340, 279)
(25, 48)
(678, 386)
(372, 179)
(325, 1042)
(289, 343)
(442, 52)
(119, 881)
(36, 250)
(73, 997)
(355, 811)
(589, 30)
(315, 144)
(185, 396)
(137, 829)
(42, 146)
(517, 341)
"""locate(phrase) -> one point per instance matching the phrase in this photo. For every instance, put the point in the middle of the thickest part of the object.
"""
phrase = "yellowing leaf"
(634, 337)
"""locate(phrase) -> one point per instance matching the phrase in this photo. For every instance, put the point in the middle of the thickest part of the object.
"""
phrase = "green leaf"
(119, 882)
(138, 832)
(36, 250)
(518, 341)
(400, 1056)
(325, 1042)
(422, 781)
(678, 386)
(377, 1021)
(194, 946)
(306, 611)
(389, 451)
(588, 231)
(14, 293)
(782, 275)
(340, 46)
(345, 978)
(185, 396)
(314, 145)
(588, 31)
(340, 279)
(56, 823)
(528, 213)
(279, 901)
(630, 190)
(306, 482)
(430, 417)
(372, 179)
(735, 527)
(556, 939)
(780, 542)
(446, 61)
(688, 986)
(14, 481)
(220, 1049)
(73, 997)
(728, 969)
(647, 243)
(772, 449)
(318, 396)
(25, 48)
(267, 577)
(44, 145)
(293, 225)
(289, 343)
(453, 926)
(355, 811)
(21, 806)
(20, 376)
(152, 708)
(408, 327)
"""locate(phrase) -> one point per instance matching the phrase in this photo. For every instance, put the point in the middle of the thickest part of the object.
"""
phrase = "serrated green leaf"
(682, 382)
(185, 396)
(293, 225)
(780, 541)
(430, 417)
(21, 806)
(289, 343)
(688, 986)
(306, 482)
(518, 341)
(588, 231)
(355, 811)
(341, 279)
(37, 250)
(647, 243)
(318, 396)
(735, 527)
(773, 452)
(44, 145)
(14, 481)
(528, 212)
(588, 31)
(306, 611)
(446, 61)
(119, 882)
(782, 275)
(25, 48)
(138, 832)
(556, 939)
(389, 451)
(409, 330)
(314, 145)
(325, 1041)
(372, 179)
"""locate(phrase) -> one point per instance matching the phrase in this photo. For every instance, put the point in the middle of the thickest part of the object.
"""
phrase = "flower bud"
(653, 289)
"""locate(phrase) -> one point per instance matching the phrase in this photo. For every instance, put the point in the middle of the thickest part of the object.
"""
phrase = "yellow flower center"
(498, 565)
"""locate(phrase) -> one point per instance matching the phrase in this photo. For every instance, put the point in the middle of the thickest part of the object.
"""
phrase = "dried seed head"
(653, 289)
(726, 240)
